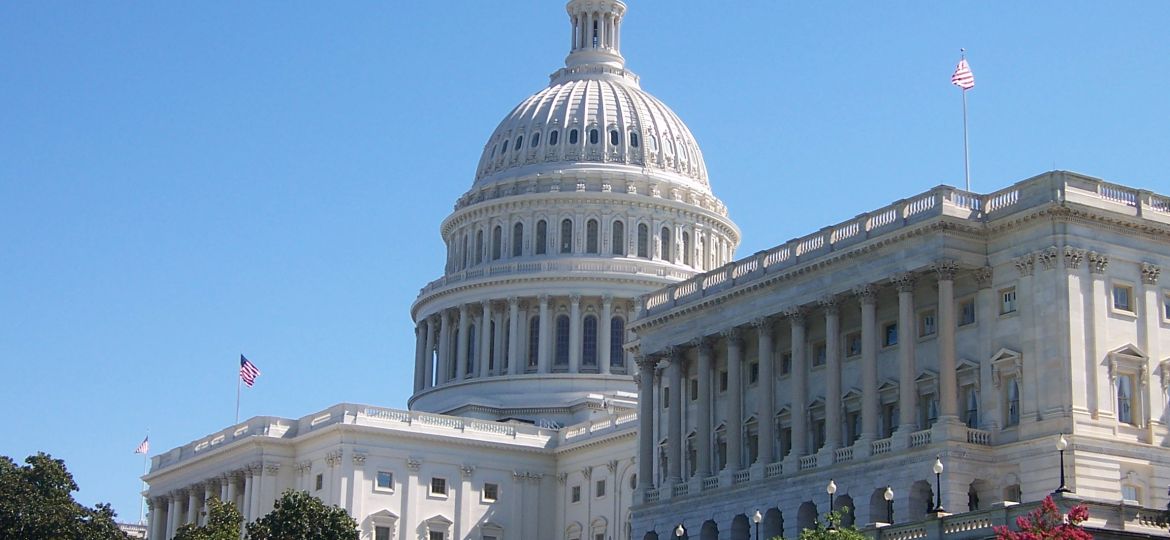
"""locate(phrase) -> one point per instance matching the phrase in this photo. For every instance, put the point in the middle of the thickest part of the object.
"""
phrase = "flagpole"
(142, 503)
(238, 378)
(966, 158)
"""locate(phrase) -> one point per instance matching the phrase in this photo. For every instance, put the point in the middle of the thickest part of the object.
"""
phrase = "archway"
(843, 504)
(650, 536)
(878, 509)
(806, 517)
(740, 529)
(709, 531)
(773, 524)
(921, 500)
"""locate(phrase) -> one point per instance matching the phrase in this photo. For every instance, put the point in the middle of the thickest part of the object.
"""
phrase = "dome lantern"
(595, 32)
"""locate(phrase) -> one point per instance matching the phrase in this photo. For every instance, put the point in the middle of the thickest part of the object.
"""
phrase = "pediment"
(1129, 349)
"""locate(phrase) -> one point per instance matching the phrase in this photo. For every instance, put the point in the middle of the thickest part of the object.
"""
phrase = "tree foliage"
(36, 502)
(223, 523)
(1047, 523)
(300, 516)
(831, 529)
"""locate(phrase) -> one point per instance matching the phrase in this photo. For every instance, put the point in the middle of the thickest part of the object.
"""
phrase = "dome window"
(594, 136)
(504, 147)
(535, 139)
(653, 143)
(572, 136)
(552, 137)
(541, 237)
(519, 143)
(567, 236)
(614, 138)
(633, 139)
(493, 154)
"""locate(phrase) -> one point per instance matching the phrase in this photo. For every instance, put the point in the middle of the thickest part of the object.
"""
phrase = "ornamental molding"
(983, 276)
(1073, 258)
(1150, 273)
(333, 458)
(272, 469)
(946, 269)
(1025, 264)
(830, 304)
(866, 294)
(466, 470)
(561, 478)
(904, 282)
(1048, 257)
(303, 467)
(587, 472)
(414, 463)
(359, 459)
(1098, 262)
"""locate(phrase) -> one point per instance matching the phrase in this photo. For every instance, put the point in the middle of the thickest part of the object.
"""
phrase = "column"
(461, 369)
(574, 333)
(514, 367)
(152, 517)
(1150, 328)
(766, 410)
(485, 340)
(193, 504)
(832, 373)
(224, 480)
(645, 380)
(443, 364)
(734, 399)
(420, 344)
(246, 506)
(231, 488)
(1103, 405)
(798, 385)
(907, 388)
(428, 362)
(703, 411)
(172, 514)
(674, 431)
(947, 378)
(870, 410)
(543, 340)
(257, 472)
(604, 338)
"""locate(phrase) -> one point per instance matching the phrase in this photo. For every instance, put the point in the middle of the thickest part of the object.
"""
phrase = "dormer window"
(594, 136)
(633, 139)
(552, 137)
(614, 139)
(572, 136)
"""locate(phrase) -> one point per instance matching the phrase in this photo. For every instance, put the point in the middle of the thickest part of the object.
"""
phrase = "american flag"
(248, 371)
(144, 447)
(963, 78)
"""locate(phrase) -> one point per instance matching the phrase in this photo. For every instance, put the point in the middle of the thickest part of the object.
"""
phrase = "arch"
(643, 241)
(806, 516)
(773, 524)
(844, 505)
(650, 535)
(617, 333)
(740, 528)
(589, 342)
(976, 491)
(517, 239)
(615, 137)
(619, 237)
(921, 500)
(533, 341)
(664, 237)
(591, 236)
(878, 509)
(562, 341)
(709, 530)
(566, 238)
(540, 247)
(497, 242)
(573, 531)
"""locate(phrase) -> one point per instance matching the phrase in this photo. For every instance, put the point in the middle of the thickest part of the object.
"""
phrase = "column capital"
(645, 362)
(1073, 258)
(1150, 273)
(575, 298)
(1098, 262)
(796, 315)
(1026, 264)
(1048, 257)
(904, 282)
(462, 310)
(830, 304)
(543, 299)
(359, 459)
(732, 335)
(946, 269)
(703, 344)
(763, 325)
(983, 276)
(607, 300)
(513, 302)
(272, 469)
(866, 294)
(414, 463)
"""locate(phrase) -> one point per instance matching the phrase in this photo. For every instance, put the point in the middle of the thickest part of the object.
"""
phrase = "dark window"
(535, 139)
(463, 255)
(754, 372)
(633, 139)
(643, 240)
(381, 533)
(562, 357)
(594, 136)
(491, 491)
(497, 242)
(591, 236)
(576, 493)
(504, 147)
(533, 341)
(491, 351)
(470, 367)
(723, 381)
(686, 247)
(786, 363)
(478, 247)
(519, 142)
(552, 137)
(320, 483)
(438, 486)
(384, 480)
(890, 336)
(694, 389)
(567, 236)
(517, 239)
(589, 346)
(617, 335)
(541, 244)
(665, 237)
(619, 238)
(614, 138)
(572, 136)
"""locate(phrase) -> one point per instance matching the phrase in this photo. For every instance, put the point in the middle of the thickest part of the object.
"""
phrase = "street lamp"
(889, 497)
(757, 518)
(831, 489)
(938, 469)
(1061, 445)
(679, 531)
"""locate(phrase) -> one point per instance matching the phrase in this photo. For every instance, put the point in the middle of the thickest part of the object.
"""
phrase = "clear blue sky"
(183, 182)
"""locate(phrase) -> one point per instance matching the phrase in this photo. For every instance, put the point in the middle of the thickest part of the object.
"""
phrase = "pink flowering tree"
(1047, 523)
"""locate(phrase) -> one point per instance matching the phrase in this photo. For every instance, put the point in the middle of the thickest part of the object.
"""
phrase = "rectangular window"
(491, 492)
(723, 381)
(753, 372)
(785, 441)
(820, 354)
(435, 535)
(384, 481)
(599, 489)
(1123, 298)
(1166, 307)
(438, 486)
(1007, 301)
(381, 533)
(694, 389)
(1129, 493)
(576, 494)
(786, 363)
(890, 334)
(926, 323)
(967, 312)
(665, 397)
(853, 344)
(599, 536)
(320, 481)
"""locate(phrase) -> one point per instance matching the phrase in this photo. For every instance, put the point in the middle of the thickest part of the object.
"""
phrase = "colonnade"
(246, 488)
(596, 29)
(797, 319)
(544, 334)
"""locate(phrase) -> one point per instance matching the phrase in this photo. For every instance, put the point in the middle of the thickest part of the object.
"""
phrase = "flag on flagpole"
(248, 371)
(963, 78)
(143, 448)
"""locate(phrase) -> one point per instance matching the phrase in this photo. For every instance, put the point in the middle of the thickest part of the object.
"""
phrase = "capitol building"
(594, 363)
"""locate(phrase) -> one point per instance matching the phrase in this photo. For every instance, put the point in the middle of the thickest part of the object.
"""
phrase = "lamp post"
(938, 469)
(1061, 445)
(831, 489)
(679, 531)
(757, 518)
(889, 497)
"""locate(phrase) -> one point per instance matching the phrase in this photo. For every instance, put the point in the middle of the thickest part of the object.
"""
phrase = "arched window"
(541, 245)
(517, 239)
(572, 136)
(664, 236)
(686, 248)
(566, 236)
(463, 254)
(594, 136)
(614, 138)
(617, 337)
(519, 143)
(493, 152)
(562, 335)
(552, 137)
(589, 345)
(470, 367)
(497, 242)
(634, 139)
(653, 143)
(533, 341)
(535, 139)
(591, 236)
(643, 240)
(503, 147)
(507, 336)
(478, 247)
(619, 238)
(1125, 399)
(1013, 403)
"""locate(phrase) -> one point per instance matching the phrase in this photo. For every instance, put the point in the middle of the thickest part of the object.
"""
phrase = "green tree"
(223, 523)
(831, 529)
(300, 516)
(36, 502)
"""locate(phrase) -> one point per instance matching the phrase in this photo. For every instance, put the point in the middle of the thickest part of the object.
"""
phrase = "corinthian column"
(734, 399)
(766, 409)
(429, 364)
(867, 296)
(907, 392)
(703, 413)
(947, 378)
(674, 427)
(420, 343)
(514, 367)
(645, 380)
(461, 366)
(444, 363)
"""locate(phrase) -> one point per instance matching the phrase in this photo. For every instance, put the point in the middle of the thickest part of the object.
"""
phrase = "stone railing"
(651, 495)
(1058, 187)
(881, 446)
(741, 477)
(808, 462)
(843, 454)
(773, 470)
(680, 489)
(979, 436)
(588, 428)
(920, 438)
(554, 184)
(582, 265)
(710, 482)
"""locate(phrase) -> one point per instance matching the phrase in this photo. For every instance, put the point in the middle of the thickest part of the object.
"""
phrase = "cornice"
(651, 284)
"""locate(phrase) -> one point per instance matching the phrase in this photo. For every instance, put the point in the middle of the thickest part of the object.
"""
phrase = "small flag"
(248, 371)
(144, 447)
(963, 78)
